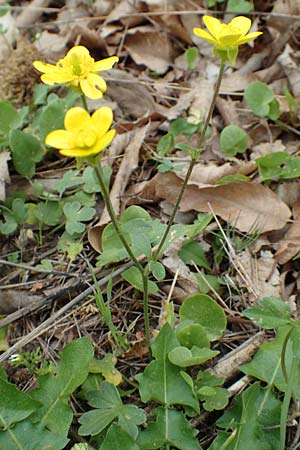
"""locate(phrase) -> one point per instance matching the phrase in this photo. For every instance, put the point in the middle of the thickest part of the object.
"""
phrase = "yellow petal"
(105, 64)
(93, 86)
(76, 118)
(103, 142)
(74, 152)
(78, 50)
(241, 23)
(102, 119)
(51, 78)
(249, 37)
(42, 67)
(60, 139)
(97, 148)
(204, 35)
(230, 40)
(213, 25)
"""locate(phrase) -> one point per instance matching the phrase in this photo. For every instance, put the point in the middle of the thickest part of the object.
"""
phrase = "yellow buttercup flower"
(78, 70)
(226, 38)
(84, 135)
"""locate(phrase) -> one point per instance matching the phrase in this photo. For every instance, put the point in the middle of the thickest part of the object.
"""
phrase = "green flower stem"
(84, 102)
(193, 161)
(144, 272)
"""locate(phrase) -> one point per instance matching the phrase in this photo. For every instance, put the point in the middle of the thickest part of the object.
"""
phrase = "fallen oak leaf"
(289, 246)
(246, 206)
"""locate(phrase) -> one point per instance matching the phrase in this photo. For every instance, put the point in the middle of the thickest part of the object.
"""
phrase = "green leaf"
(48, 213)
(9, 225)
(54, 389)
(207, 282)
(192, 151)
(52, 117)
(233, 140)
(26, 152)
(203, 219)
(107, 368)
(269, 313)
(109, 407)
(19, 210)
(171, 428)
(291, 168)
(28, 436)
(140, 231)
(161, 380)
(70, 179)
(9, 118)
(184, 357)
(202, 309)
(14, 405)
(274, 111)
(157, 270)
(192, 253)
(271, 166)
(91, 183)
(239, 6)
(134, 277)
(182, 126)
(192, 334)
(165, 144)
(254, 419)
(117, 438)
(212, 396)
(191, 56)
(75, 215)
(40, 93)
(259, 97)
(266, 364)
(237, 178)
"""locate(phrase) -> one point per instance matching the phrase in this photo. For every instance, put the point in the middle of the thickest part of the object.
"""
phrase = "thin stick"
(49, 322)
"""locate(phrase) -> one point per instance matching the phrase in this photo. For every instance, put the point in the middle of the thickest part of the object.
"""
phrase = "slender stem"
(84, 102)
(145, 277)
(113, 217)
(193, 161)
(144, 272)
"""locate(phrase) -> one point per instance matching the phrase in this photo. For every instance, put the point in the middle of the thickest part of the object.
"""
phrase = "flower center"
(75, 65)
(85, 138)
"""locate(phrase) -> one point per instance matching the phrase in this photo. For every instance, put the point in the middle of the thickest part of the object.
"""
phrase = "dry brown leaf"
(9, 37)
(128, 165)
(186, 279)
(11, 300)
(265, 148)
(246, 206)
(262, 272)
(143, 47)
(4, 174)
(287, 60)
(290, 245)
(52, 45)
(205, 175)
(133, 98)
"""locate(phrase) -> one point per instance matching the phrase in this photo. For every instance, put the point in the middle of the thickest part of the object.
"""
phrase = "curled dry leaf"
(247, 206)
(4, 175)
(205, 175)
(143, 49)
(132, 97)
(262, 272)
(289, 246)
(185, 278)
